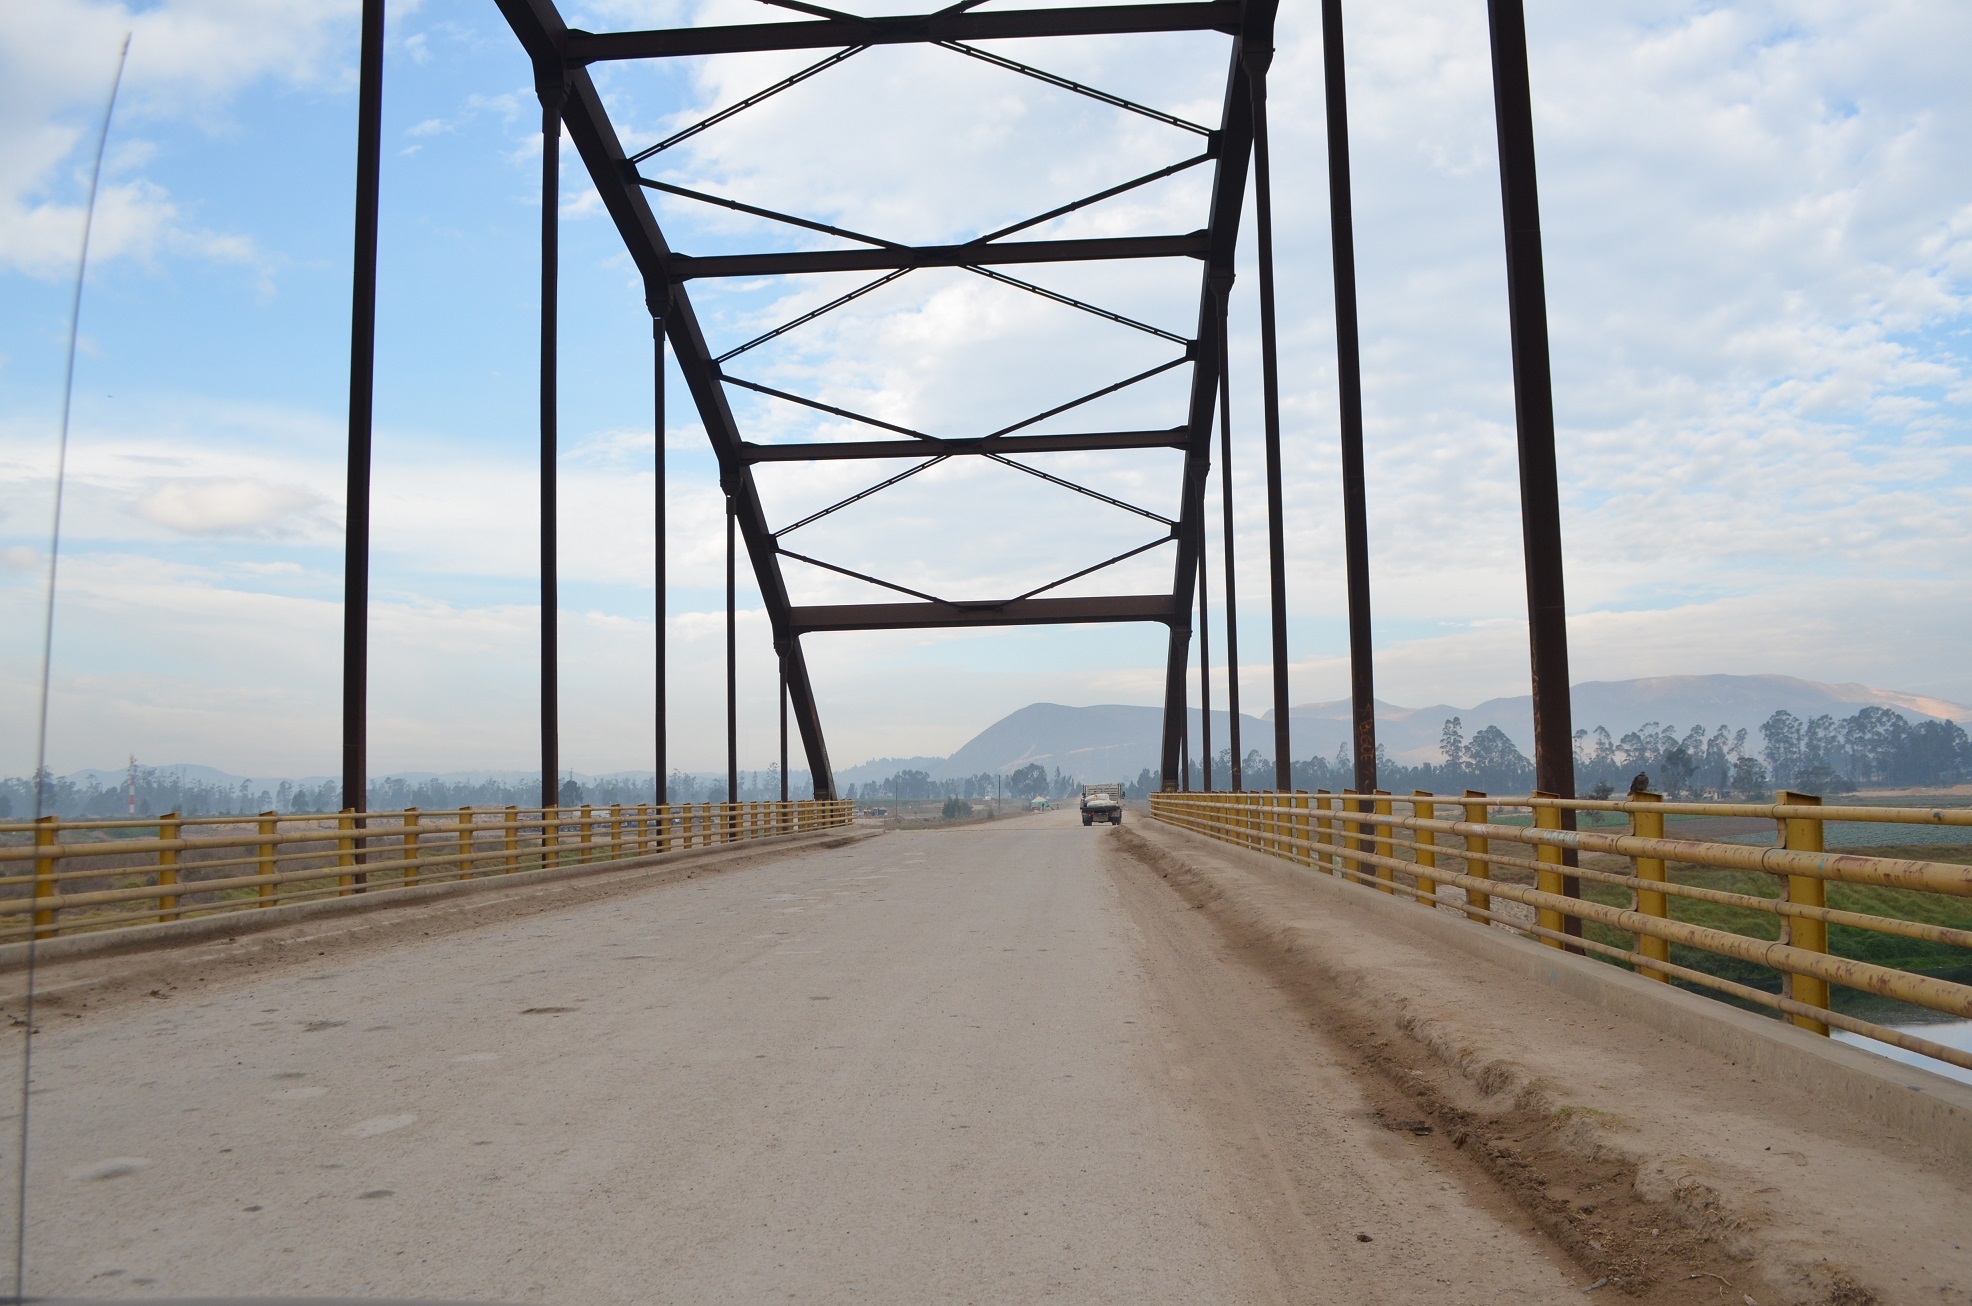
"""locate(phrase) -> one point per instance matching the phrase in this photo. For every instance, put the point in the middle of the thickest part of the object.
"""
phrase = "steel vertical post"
(554, 95)
(1184, 754)
(1257, 60)
(732, 658)
(658, 530)
(1349, 385)
(1533, 404)
(783, 678)
(1237, 770)
(362, 390)
(1204, 673)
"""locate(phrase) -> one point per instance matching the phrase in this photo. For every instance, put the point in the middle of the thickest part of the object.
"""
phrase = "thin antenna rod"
(47, 655)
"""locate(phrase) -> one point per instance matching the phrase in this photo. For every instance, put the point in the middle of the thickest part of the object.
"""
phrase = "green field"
(1889, 950)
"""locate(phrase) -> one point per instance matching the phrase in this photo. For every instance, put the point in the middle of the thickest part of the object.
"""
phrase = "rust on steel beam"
(1349, 393)
(544, 36)
(1222, 234)
(362, 406)
(977, 254)
(1533, 412)
(1015, 612)
(834, 451)
(908, 29)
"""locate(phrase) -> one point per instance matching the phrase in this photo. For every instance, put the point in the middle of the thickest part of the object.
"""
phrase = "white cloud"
(226, 507)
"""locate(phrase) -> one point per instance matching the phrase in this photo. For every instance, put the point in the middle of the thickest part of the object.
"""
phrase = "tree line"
(1023, 784)
(167, 789)
(1822, 755)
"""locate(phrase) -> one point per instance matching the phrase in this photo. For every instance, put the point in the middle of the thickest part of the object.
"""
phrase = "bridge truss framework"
(561, 58)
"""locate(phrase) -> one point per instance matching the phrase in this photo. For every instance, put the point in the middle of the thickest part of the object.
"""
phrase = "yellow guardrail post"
(264, 863)
(1352, 831)
(44, 876)
(510, 821)
(585, 831)
(167, 867)
(1304, 846)
(409, 846)
(642, 821)
(1323, 858)
(1804, 834)
(1548, 881)
(468, 841)
(551, 836)
(346, 852)
(1476, 847)
(1424, 846)
(1386, 879)
(1649, 902)
(618, 838)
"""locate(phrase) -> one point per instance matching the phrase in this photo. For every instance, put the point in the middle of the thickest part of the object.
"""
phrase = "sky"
(1758, 240)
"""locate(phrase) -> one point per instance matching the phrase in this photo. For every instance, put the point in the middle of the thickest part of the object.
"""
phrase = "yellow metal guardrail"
(66, 877)
(1638, 895)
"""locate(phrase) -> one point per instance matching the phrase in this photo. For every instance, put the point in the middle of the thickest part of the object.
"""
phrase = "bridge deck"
(993, 1063)
(927, 1067)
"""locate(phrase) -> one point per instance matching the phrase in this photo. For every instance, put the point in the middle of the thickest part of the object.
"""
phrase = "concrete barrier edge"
(1926, 1108)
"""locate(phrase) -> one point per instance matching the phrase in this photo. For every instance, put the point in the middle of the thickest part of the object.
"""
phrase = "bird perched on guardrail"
(1640, 785)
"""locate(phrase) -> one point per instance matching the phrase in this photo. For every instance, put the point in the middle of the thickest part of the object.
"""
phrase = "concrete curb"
(1927, 1108)
(236, 924)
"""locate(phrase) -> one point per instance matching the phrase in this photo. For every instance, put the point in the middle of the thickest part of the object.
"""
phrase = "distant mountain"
(1118, 740)
(1108, 741)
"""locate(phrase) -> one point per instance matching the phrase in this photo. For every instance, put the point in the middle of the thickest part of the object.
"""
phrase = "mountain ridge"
(1118, 740)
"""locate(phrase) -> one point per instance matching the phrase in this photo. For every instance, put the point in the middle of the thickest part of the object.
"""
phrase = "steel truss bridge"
(1233, 151)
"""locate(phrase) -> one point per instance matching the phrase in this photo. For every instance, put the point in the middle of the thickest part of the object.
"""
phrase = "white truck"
(1102, 803)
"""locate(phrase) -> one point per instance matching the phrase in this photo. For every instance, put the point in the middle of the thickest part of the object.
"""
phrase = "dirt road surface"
(950, 1066)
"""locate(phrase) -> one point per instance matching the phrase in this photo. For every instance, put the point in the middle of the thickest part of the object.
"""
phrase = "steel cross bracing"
(560, 56)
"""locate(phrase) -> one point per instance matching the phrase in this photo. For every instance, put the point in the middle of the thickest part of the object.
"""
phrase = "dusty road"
(973, 1065)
